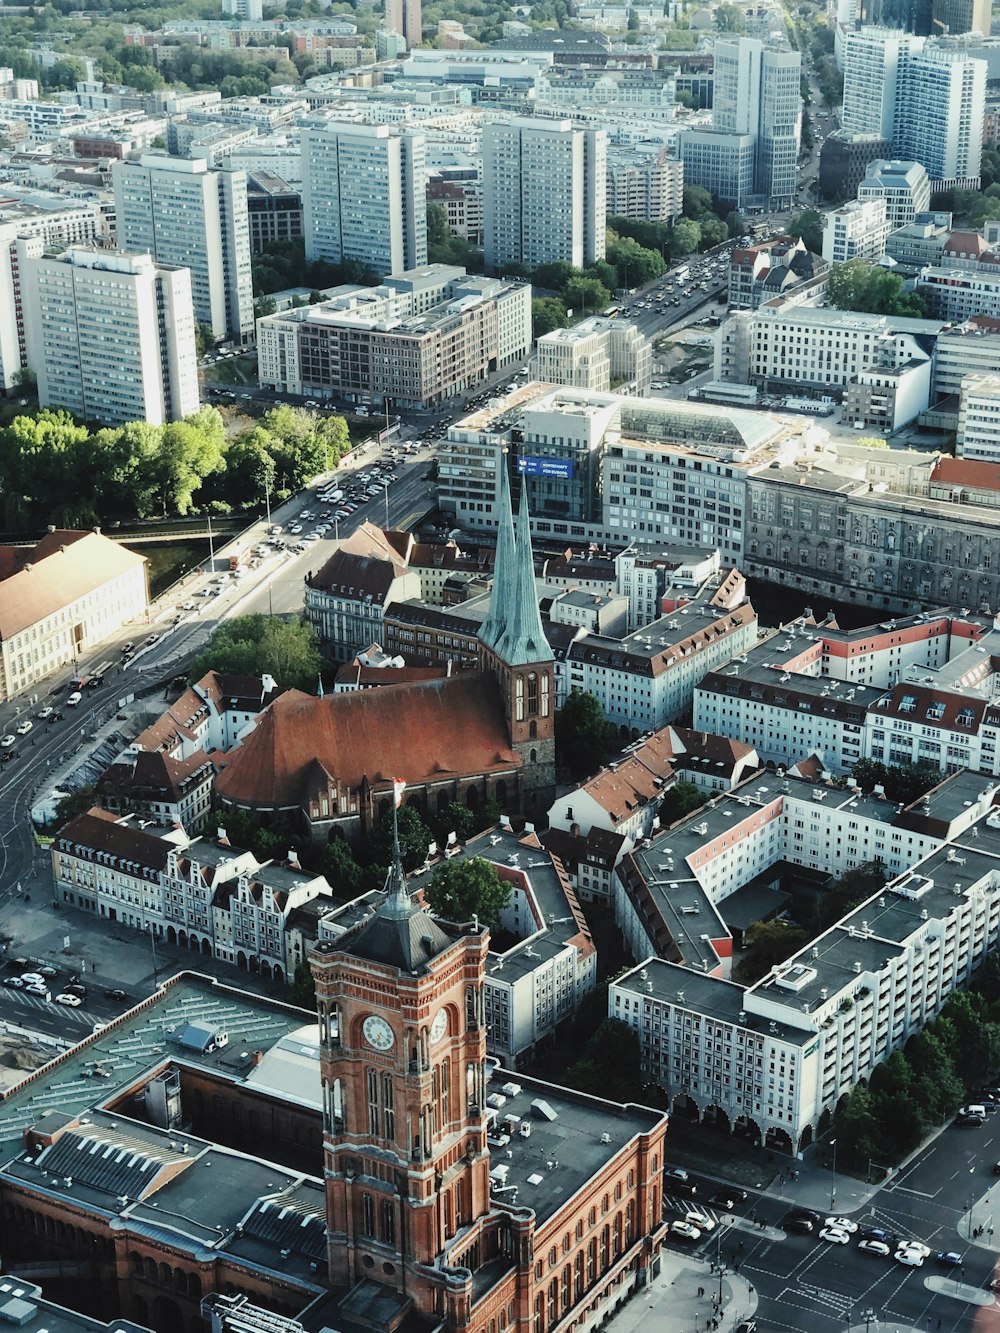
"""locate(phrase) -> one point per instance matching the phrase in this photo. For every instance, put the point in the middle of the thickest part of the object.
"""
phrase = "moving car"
(923, 1250)
(842, 1224)
(727, 1199)
(7, 741)
(911, 1258)
(684, 1231)
(878, 1247)
(802, 1225)
(24, 727)
(948, 1259)
(45, 712)
(700, 1220)
(29, 977)
(71, 1001)
(74, 699)
(115, 994)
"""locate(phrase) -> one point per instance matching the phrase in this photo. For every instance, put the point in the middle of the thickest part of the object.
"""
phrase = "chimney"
(221, 837)
(293, 859)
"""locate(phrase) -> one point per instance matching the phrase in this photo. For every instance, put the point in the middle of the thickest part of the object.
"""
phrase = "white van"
(74, 699)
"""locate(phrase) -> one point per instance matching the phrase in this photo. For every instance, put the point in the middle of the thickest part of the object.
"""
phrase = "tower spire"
(397, 905)
(493, 626)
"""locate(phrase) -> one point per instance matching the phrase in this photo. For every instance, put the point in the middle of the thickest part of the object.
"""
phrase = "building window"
(388, 1113)
(519, 699)
(389, 1222)
(368, 1215)
(532, 693)
(372, 1102)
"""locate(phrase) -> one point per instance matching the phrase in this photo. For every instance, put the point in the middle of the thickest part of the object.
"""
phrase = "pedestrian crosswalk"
(674, 1205)
(25, 1001)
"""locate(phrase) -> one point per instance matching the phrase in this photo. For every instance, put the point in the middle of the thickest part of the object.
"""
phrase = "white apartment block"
(816, 347)
(67, 595)
(904, 186)
(186, 215)
(856, 230)
(978, 434)
(111, 335)
(364, 196)
(544, 193)
(971, 349)
(593, 353)
(927, 98)
(772, 1058)
(956, 292)
(644, 184)
(57, 222)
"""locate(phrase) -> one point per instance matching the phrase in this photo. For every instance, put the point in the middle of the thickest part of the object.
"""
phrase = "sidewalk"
(672, 1300)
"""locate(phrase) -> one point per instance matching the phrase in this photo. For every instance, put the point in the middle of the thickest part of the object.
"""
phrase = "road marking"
(921, 1194)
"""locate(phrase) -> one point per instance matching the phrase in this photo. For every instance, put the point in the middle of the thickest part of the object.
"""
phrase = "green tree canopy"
(586, 296)
(253, 645)
(461, 890)
(767, 944)
(635, 265)
(547, 313)
(869, 287)
(584, 738)
(808, 225)
(611, 1064)
(680, 800)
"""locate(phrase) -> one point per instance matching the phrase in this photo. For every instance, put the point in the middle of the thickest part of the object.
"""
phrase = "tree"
(259, 644)
(342, 871)
(303, 988)
(74, 803)
(872, 442)
(547, 313)
(263, 306)
(414, 839)
(612, 1059)
(685, 238)
(635, 265)
(808, 226)
(204, 338)
(454, 818)
(585, 296)
(584, 737)
(680, 800)
(871, 288)
(767, 944)
(729, 18)
(189, 451)
(461, 890)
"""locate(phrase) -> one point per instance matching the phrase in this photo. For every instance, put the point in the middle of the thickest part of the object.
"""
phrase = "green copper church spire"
(513, 626)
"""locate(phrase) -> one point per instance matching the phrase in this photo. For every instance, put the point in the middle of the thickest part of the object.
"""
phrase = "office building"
(595, 352)
(274, 211)
(364, 196)
(544, 193)
(958, 16)
(856, 230)
(978, 433)
(844, 160)
(185, 215)
(904, 186)
(60, 599)
(757, 91)
(110, 335)
(720, 162)
(919, 243)
(404, 17)
(57, 222)
(874, 63)
(413, 342)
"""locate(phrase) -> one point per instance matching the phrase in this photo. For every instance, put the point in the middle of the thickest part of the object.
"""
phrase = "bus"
(611, 311)
(682, 273)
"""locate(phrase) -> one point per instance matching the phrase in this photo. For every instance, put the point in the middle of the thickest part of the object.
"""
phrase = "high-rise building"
(110, 335)
(757, 93)
(643, 182)
(66, 224)
(544, 193)
(364, 196)
(978, 434)
(184, 214)
(404, 16)
(958, 16)
(928, 98)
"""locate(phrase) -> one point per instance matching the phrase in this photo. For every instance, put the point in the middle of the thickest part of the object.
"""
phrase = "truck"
(236, 560)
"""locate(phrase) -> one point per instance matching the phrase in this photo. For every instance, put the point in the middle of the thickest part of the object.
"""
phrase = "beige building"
(64, 597)
(596, 354)
(644, 184)
(409, 343)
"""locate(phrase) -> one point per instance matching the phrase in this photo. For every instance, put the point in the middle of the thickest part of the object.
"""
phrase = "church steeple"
(513, 646)
(513, 627)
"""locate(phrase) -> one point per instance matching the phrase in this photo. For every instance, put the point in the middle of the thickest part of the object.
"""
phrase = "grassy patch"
(232, 370)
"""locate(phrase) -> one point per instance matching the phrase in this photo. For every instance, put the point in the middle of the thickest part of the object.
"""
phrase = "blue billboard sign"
(560, 468)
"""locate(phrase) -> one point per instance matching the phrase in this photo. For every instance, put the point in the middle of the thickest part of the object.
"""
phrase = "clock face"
(378, 1033)
(440, 1025)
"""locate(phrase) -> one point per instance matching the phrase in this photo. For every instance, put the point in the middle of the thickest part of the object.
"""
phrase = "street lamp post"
(386, 487)
(152, 945)
(833, 1182)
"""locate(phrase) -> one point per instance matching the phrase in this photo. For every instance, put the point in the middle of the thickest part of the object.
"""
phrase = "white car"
(45, 712)
(878, 1247)
(32, 978)
(700, 1220)
(911, 1258)
(835, 1236)
(295, 528)
(917, 1246)
(684, 1231)
(71, 1001)
(841, 1224)
(7, 741)
(24, 727)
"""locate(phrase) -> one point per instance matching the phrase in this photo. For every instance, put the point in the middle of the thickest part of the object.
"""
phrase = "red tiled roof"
(417, 732)
(967, 472)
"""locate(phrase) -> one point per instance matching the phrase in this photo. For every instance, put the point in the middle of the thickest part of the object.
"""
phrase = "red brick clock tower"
(403, 1046)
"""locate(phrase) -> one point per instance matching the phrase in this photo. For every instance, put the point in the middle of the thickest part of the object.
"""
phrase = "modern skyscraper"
(757, 94)
(957, 16)
(928, 98)
(364, 196)
(404, 16)
(110, 336)
(184, 214)
(544, 193)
